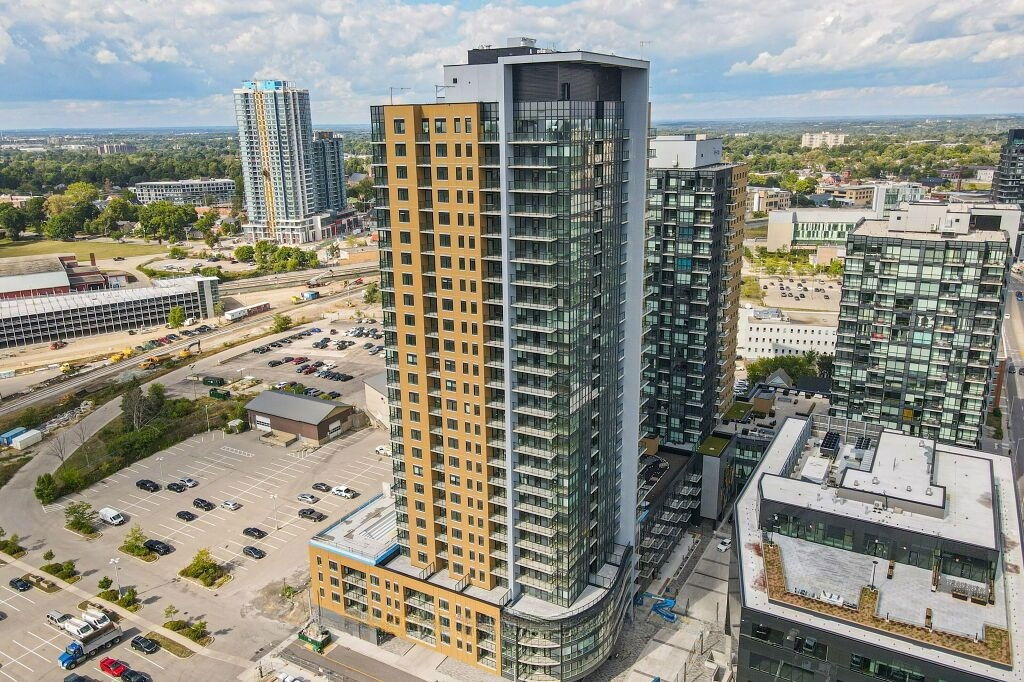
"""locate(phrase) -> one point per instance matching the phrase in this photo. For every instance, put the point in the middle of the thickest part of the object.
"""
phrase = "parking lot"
(354, 361)
(30, 647)
(264, 480)
(827, 298)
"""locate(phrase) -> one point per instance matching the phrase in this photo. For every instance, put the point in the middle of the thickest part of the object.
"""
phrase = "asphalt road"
(343, 664)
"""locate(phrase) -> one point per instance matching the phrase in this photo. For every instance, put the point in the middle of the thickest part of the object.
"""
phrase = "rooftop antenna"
(391, 91)
(642, 44)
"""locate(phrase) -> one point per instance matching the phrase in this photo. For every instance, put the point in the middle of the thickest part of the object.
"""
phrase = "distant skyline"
(99, 63)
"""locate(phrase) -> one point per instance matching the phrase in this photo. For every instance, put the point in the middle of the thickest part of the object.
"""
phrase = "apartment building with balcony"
(511, 231)
(920, 320)
(1008, 179)
(695, 224)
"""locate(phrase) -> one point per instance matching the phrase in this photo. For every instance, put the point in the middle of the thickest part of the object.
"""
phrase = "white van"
(96, 619)
(111, 516)
(78, 628)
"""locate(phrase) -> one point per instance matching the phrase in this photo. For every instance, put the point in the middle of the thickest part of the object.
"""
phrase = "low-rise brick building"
(312, 420)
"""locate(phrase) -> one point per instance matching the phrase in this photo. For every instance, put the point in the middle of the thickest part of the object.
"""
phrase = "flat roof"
(32, 272)
(880, 228)
(378, 382)
(368, 534)
(980, 508)
(38, 305)
(300, 408)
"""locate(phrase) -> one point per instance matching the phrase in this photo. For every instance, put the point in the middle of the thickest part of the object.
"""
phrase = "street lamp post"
(207, 407)
(160, 461)
(874, 565)
(117, 574)
(276, 526)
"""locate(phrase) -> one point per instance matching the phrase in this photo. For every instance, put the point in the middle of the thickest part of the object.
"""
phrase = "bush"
(196, 631)
(109, 595)
(10, 545)
(204, 569)
(64, 571)
(134, 541)
(48, 555)
(130, 597)
(105, 583)
(176, 625)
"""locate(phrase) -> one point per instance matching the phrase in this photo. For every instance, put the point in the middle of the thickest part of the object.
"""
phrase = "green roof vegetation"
(713, 446)
(738, 411)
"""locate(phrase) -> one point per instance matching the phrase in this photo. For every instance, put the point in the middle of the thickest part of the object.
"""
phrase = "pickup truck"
(82, 648)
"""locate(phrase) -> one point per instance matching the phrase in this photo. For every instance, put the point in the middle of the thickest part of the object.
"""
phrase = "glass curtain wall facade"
(1008, 183)
(694, 251)
(919, 326)
(510, 247)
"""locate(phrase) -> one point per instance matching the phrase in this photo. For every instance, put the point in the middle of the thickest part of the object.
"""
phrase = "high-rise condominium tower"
(512, 234)
(291, 177)
(1008, 183)
(695, 239)
(920, 318)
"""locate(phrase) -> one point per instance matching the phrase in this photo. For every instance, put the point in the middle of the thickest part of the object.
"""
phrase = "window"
(443, 196)
(400, 149)
(403, 194)
(469, 125)
(405, 237)
(442, 172)
(402, 172)
(400, 126)
(440, 125)
(440, 150)
(563, 91)
(403, 215)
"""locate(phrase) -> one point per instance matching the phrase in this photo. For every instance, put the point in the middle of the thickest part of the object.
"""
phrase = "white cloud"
(105, 56)
(348, 53)
(894, 35)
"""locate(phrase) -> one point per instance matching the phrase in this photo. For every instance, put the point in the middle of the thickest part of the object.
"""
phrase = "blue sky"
(114, 63)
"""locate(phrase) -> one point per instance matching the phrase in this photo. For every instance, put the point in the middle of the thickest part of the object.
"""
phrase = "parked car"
(147, 485)
(113, 667)
(20, 584)
(176, 487)
(322, 487)
(308, 498)
(724, 545)
(311, 514)
(230, 505)
(189, 482)
(134, 675)
(145, 645)
(254, 552)
(158, 547)
(255, 533)
(200, 503)
(343, 491)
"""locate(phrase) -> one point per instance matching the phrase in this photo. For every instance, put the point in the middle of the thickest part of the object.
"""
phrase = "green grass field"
(38, 247)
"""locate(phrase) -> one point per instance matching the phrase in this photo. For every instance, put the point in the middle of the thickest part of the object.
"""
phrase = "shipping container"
(213, 381)
(310, 295)
(5, 439)
(22, 441)
(240, 313)
(219, 394)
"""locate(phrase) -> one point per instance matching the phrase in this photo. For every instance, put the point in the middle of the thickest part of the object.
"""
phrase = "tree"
(244, 253)
(372, 294)
(81, 516)
(135, 540)
(170, 611)
(48, 555)
(13, 221)
(46, 489)
(177, 252)
(165, 220)
(196, 631)
(206, 221)
(62, 227)
(176, 317)
(133, 407)
(211, 239)
(59, 446)
(104, 583)
(263, 251)
(34, 210)
(82, 192)
(281, 323)
(218, 308)
(156, 398)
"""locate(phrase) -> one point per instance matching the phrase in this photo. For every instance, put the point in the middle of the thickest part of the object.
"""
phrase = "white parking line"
(30, 650)
(49, 641)
(16, 594)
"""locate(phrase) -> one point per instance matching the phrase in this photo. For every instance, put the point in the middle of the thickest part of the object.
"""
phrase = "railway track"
(69, 386)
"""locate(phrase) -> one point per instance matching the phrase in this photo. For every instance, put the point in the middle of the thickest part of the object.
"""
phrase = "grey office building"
(1008, 182)
(26, 321)
(695, 207)
(920, 318)
(865, 554)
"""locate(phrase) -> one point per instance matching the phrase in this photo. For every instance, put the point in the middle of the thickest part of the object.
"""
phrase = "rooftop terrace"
(956, 622)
